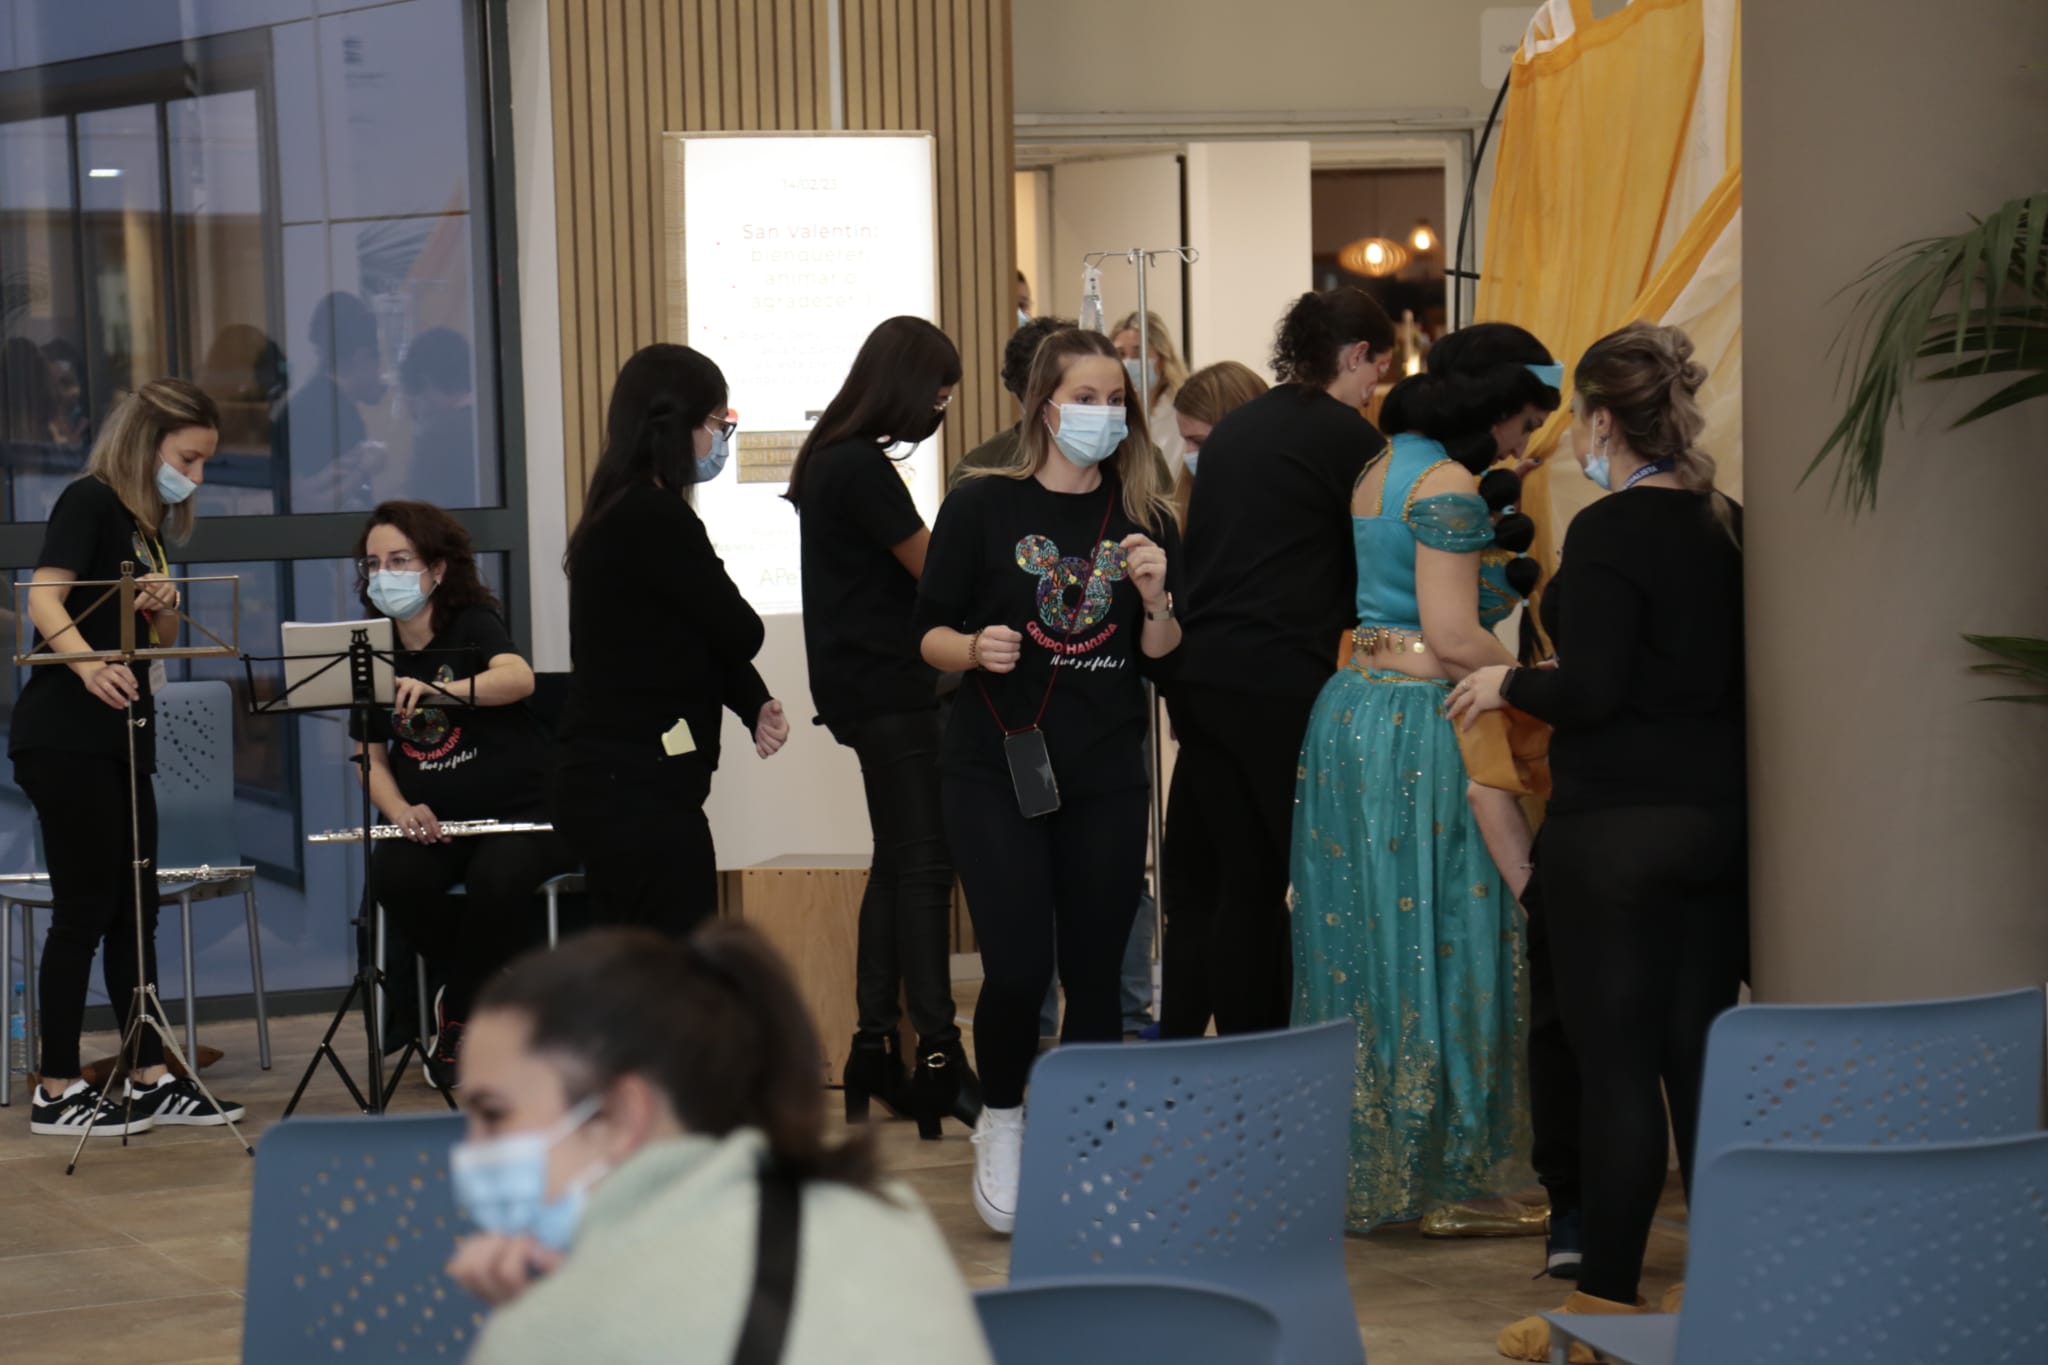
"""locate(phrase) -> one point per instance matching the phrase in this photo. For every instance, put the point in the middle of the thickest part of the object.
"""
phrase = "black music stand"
(121, 592)
(360, 659)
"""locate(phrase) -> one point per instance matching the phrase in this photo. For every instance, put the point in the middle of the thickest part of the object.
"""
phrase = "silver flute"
(457, 829)
(163, 874)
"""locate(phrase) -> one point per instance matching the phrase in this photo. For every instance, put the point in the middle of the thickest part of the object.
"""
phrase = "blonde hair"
(1146, 481)
(1173, 371)
(124, 458)
(1214, 391)
(1644, 376)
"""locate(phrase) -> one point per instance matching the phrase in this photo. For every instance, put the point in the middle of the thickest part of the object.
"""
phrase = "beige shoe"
(1529, 1339)
(1673, 1300)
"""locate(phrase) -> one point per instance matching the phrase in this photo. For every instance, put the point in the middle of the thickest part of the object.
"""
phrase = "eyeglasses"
(404, 561)
(723, 426)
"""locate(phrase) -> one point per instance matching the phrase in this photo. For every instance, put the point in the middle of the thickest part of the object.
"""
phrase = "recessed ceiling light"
(103, 173)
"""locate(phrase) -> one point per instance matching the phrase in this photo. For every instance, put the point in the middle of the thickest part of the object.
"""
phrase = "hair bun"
(1522, 575)
(1501, 488)
(1515, 533)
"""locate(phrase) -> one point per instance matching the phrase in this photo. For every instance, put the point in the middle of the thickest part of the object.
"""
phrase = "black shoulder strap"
(766, 1325)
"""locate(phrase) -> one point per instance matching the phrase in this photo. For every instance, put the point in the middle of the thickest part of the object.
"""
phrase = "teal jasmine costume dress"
(1401, 920)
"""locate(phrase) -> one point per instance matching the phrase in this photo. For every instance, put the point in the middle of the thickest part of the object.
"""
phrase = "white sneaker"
(68, 1114)
(998, 1165)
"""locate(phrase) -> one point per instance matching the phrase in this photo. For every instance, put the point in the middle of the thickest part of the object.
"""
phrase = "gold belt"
(1373, 639)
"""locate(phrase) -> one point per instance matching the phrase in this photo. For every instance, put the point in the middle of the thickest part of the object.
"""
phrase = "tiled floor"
(139, 1256)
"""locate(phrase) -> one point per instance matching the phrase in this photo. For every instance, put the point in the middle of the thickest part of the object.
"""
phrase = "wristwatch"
(1165, 613)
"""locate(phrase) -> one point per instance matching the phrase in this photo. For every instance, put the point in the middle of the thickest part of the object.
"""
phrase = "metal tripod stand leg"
(145, 990)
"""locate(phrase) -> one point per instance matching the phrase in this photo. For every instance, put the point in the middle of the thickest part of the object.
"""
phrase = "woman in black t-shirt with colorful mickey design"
(458, 744)
(1049, 582)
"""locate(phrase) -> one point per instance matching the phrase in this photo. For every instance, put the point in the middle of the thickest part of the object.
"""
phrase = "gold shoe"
(1495, 1218)
(1674, 1298)
(1529, 1339)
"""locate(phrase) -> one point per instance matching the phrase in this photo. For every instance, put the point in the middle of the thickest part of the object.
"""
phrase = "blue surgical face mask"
(398, 595)
(1090, 433)
(709, 466)
(1596, 469)
(1135, 368)
(1188, 456)
(1023, 318)
(172, 485)
(502, 1182)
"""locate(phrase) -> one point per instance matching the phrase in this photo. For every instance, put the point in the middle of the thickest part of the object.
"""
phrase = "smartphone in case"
(1038, 792)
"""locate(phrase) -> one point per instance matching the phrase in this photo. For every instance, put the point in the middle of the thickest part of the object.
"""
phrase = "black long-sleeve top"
(658, 631)
(1646, 614)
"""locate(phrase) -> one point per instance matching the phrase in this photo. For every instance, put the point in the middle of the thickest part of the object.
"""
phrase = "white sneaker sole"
(110, 1125)
(214, 1120)
(997, 1219)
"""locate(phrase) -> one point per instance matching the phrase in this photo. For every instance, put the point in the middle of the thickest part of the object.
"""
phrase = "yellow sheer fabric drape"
(1618, 196)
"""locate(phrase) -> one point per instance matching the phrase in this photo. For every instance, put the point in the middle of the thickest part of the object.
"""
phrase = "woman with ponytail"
(1643, 855)
(1401, 922)
(71, 744)
(647, 1164)
(660, 639)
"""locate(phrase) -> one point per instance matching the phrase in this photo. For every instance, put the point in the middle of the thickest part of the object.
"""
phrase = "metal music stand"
(368, 690)
(121, 592)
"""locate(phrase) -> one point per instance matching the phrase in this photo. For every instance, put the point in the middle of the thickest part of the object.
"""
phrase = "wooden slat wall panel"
(626, 71)
(944, 66)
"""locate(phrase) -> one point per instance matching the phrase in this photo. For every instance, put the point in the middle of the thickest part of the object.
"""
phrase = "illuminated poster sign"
(792, 249)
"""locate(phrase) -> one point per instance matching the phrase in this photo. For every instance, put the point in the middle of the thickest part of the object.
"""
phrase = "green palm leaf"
(1978, 300)
(2019, 656)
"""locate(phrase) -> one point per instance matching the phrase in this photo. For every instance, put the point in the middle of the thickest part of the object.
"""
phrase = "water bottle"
(17, 1029)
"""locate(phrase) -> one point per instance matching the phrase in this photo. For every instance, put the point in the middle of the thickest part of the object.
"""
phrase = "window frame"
(148, 75)
(123, 78)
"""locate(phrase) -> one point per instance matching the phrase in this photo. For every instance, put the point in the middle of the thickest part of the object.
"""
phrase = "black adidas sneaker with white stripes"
(68, 1114)
(174, 1100)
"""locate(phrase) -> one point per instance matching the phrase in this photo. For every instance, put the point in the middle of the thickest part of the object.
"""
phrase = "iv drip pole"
(1141, 260)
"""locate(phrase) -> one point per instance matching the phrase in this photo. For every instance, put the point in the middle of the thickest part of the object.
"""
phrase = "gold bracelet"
(974, 650)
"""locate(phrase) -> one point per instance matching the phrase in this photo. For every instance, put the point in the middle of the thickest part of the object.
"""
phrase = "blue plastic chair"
(27, 897)
(1926, 1071)
(1114, 1322)
(195, 805)
(351, 1222)
(1217, 1162)
(1854, 1256)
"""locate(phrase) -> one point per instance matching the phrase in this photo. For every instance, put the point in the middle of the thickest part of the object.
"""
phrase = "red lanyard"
(1073, 620)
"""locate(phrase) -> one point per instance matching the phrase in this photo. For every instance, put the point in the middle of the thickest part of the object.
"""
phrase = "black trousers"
(1058, 891)
(905, 951)
(468, 938)
(1553, 1071)
(81, 801)
(638, 825)
(1649, 935)
(1228, 952)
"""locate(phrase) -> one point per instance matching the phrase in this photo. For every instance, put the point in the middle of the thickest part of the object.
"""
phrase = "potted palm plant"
(1939, 310)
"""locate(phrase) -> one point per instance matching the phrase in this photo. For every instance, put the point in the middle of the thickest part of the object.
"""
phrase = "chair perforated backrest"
(1925, 1071)
(1116, 1322)
(1871, 1256)
(1216, 1161)
(352, 1220)
(195, 775)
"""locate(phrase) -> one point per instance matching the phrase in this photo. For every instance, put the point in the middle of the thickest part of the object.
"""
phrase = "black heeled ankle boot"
(943, 1086)
(874, 1070)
